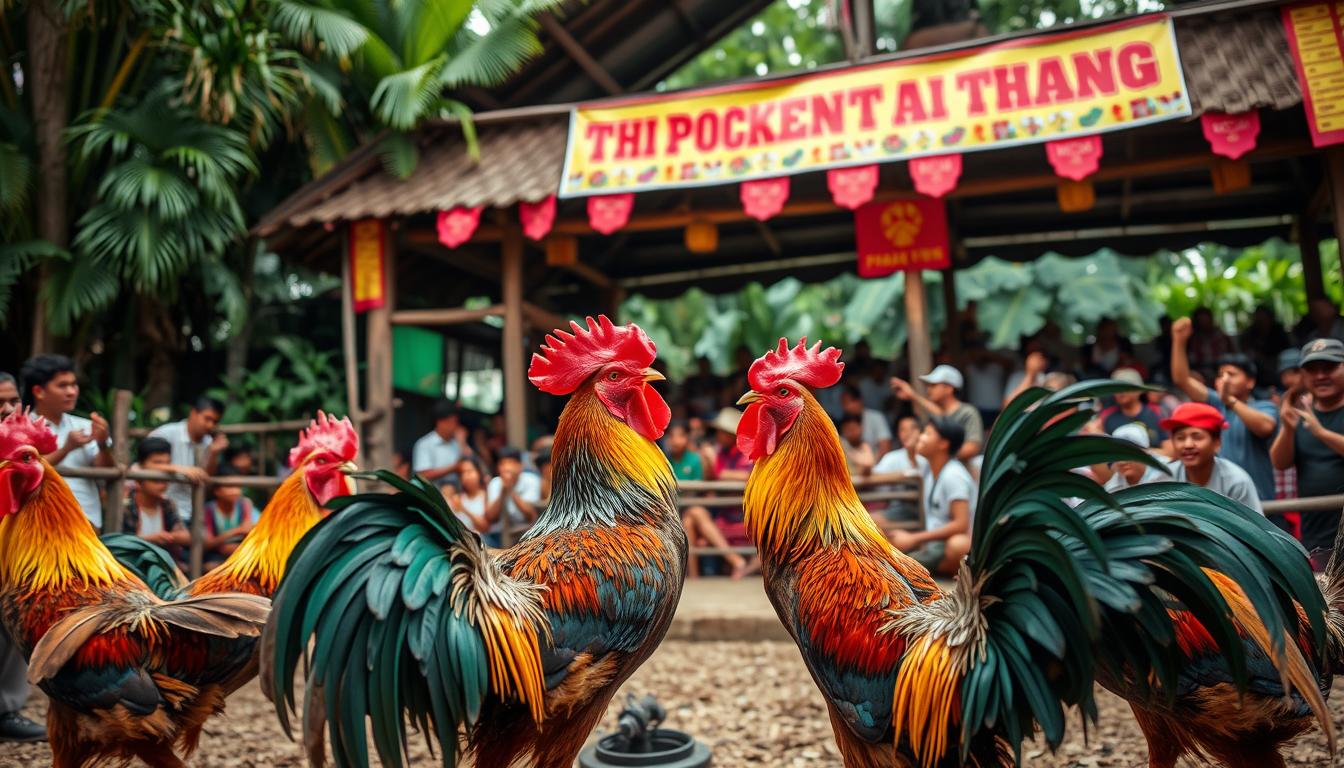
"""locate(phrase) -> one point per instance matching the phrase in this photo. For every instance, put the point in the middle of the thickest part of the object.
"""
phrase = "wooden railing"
(705, 493)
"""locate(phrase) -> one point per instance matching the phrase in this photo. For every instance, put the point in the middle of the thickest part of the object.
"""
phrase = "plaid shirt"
(1285, 483)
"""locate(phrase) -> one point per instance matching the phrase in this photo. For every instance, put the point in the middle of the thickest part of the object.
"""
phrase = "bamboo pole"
(196, 563)
(121, 454)
(917, 327)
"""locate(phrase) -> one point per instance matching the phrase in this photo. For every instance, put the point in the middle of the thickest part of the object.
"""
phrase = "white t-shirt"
(954, 483)
(1118, 481)
(1226, 479)
(528, 489)
(433, 452)
(898, 460)
(474, 505)
(85, 490)
(875, 427)
(183, 455)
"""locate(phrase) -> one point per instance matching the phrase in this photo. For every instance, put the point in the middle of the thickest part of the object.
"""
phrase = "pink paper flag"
(457, 225)
(763, 198)
(852, 187)
(936, 176)
(1075, 158)
(537, 217)
(608, 213)
(1231, 135)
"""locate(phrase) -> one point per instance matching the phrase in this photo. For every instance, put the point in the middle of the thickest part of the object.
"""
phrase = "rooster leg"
(1165, 744)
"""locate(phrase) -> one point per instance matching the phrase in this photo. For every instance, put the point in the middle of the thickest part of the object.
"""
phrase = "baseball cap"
(1200, 415)
(1135, 433)
(1290, 359)
(1127, 376)
(944, 374)
(1327, 350)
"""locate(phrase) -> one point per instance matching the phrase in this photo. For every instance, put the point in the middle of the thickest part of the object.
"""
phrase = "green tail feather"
(149, 562)
(1079, 590)
(373, 587)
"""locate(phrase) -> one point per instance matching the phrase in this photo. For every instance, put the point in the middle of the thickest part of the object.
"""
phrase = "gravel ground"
(753, 703)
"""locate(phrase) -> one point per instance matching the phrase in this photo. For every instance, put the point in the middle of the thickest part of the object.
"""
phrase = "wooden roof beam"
(580, 55)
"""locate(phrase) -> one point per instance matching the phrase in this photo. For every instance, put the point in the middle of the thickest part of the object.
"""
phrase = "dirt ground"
(753, 703)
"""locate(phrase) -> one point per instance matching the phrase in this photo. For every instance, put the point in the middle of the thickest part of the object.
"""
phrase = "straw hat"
(727, 420)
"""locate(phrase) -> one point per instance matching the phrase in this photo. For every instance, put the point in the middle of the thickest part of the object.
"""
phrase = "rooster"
(321, 463)
(1137, 591)
(523, 648)
(129, 675)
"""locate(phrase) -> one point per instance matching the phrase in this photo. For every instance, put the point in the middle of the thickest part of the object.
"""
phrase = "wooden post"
(378, 354)
(1309, 247)
(1334, 169)
(196, 563)
(917, 327)
(515, 392)
(121, 454)
(954, 340)
(348, 343)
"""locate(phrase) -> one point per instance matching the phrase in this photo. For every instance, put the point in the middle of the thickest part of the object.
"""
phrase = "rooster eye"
(614, 376)
(783, 391)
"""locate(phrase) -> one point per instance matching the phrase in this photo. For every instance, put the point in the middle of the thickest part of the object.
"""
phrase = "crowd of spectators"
(1256, 417)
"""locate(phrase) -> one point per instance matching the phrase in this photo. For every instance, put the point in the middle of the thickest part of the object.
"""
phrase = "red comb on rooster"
(772, 404)
(621, 355)
(20, 429)
(326, 433)
(808, 366)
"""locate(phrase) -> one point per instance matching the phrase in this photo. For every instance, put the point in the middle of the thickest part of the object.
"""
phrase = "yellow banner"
(366, 264)
(1018, 92)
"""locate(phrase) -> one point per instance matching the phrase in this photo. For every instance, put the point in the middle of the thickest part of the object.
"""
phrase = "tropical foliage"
(159, 116)
(1011, 300)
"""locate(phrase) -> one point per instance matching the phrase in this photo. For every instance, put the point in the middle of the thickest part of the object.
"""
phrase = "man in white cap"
(944, 382)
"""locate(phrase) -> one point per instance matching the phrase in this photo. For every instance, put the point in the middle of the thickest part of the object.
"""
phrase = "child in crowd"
(229, 516)
(150, 514)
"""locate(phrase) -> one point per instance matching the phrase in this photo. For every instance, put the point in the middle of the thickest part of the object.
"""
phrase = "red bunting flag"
(608, 213)
(937, 175)
(537, 217)
(852, 187)
(1231, 135)
(456, 226)
(764, 198)
(1075, 158)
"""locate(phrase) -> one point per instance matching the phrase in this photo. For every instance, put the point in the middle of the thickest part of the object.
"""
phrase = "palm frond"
(490, 59)
(16, 178)
(399, 155)
(310, 25)
(15, 260)
(75, 289)
(403, 99)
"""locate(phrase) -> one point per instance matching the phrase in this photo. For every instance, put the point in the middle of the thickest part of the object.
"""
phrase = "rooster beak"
(348, 468)
(752, 396)
(651, 375)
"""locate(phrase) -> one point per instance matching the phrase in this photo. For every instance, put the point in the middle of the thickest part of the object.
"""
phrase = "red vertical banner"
(367, 260)
(901, 236)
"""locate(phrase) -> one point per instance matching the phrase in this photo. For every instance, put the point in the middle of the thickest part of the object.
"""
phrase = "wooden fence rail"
(707, 493)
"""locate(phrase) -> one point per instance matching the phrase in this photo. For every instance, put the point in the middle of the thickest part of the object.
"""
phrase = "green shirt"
(1320, 472)
(688, 467)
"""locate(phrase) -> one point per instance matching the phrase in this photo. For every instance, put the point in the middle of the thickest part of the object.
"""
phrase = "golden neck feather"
(259, 561)
(605, 471)
(801, 497)
(48, 545)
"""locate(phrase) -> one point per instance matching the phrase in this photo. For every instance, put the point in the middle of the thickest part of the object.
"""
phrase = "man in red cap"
(1196, 435)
